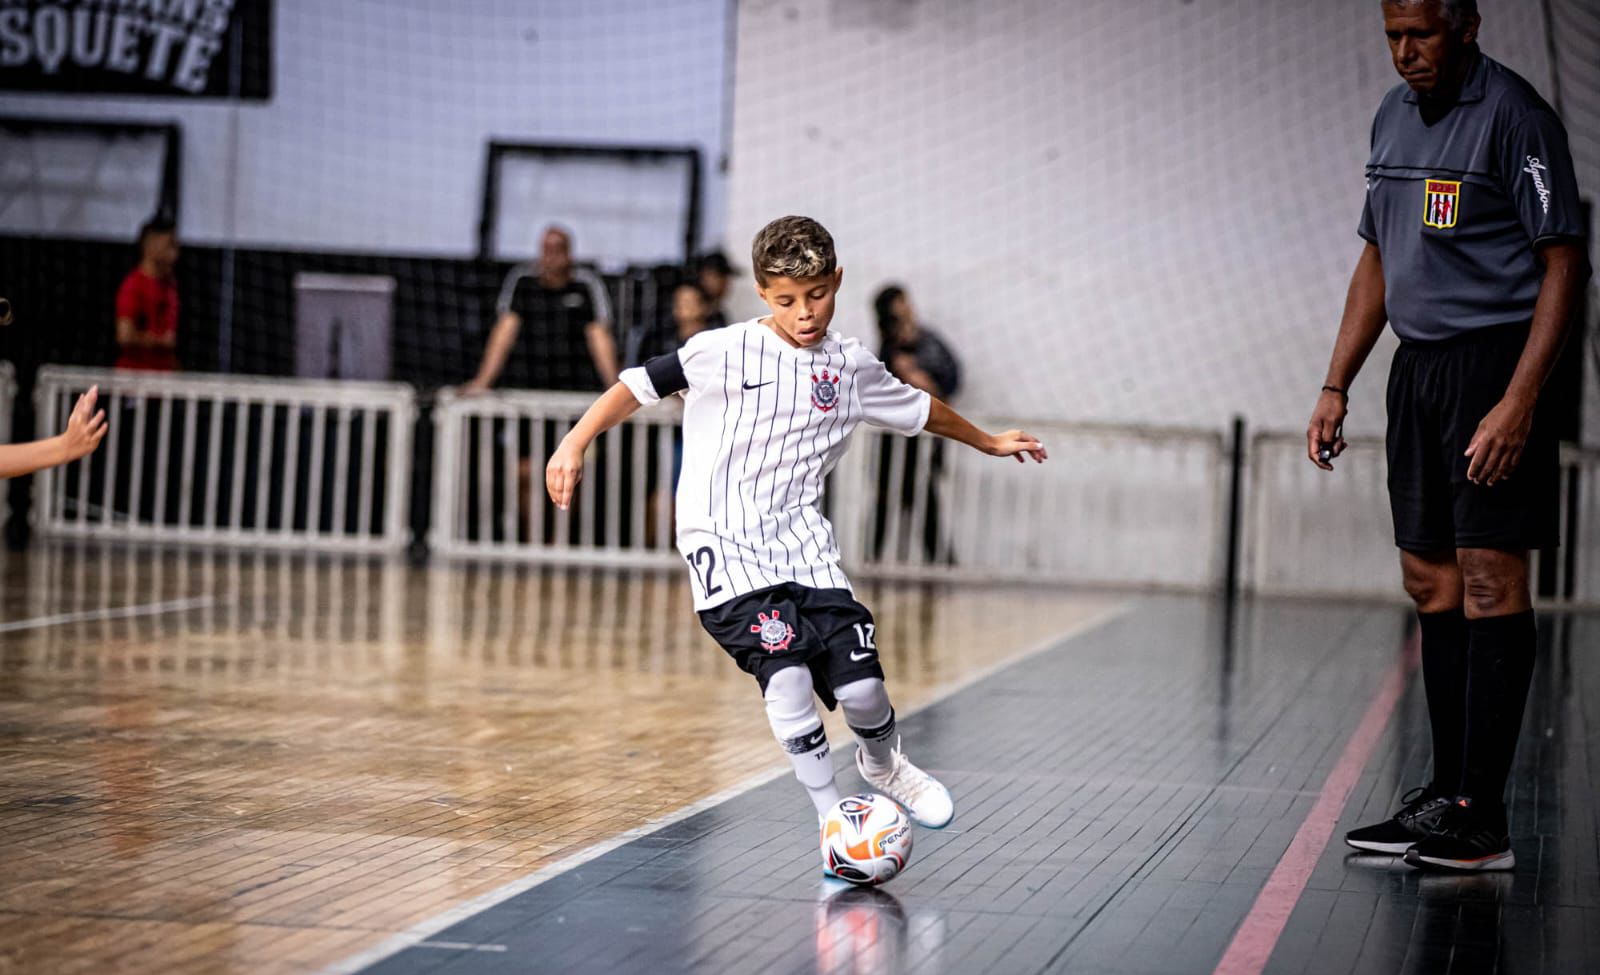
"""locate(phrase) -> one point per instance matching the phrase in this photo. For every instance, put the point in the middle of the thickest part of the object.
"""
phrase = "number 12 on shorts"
(866, 632)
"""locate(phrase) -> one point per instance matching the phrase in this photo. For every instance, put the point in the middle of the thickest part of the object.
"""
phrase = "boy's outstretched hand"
(86, 427)
(1016, 443)
(562, 474)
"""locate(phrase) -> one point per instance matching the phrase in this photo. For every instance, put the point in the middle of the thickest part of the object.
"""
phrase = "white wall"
(375, 136)
(1123, 211)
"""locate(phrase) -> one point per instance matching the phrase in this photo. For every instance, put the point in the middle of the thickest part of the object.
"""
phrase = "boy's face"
(802, 307)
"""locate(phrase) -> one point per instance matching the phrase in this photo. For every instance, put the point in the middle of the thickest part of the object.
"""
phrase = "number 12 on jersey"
(702, 562)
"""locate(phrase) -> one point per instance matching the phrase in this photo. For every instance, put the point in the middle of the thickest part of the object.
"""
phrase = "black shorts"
(1438, 394)
(795, 626)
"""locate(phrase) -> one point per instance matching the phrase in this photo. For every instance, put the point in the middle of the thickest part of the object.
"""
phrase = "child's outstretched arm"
(86, 427)
(945, 422)
(565, 470)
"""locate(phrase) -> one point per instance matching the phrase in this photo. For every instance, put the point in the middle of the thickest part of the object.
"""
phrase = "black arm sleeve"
(666, 374)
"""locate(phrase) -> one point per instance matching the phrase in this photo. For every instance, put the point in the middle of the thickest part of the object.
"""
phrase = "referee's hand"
(1327, 422)
(1496, 446)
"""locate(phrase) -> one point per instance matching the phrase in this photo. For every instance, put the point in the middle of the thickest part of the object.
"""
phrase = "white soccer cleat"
(924, 799)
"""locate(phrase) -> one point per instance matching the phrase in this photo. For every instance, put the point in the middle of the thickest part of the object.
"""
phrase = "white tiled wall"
(1119, 211)
(374, 138)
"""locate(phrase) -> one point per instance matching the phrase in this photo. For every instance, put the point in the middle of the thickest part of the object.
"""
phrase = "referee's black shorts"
(1438, 394)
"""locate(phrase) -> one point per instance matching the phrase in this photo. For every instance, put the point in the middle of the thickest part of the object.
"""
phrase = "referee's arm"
(1497, 444)
(1359, 328)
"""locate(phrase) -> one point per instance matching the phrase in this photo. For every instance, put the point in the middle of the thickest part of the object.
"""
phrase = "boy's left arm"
(945, 422)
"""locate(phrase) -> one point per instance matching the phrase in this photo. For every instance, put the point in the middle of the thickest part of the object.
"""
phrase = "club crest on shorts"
(825, 390)
(1441, 203)
(775, 634)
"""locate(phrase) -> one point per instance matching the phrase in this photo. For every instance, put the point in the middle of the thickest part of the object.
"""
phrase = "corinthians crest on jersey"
(1441, 203)
(825, 390)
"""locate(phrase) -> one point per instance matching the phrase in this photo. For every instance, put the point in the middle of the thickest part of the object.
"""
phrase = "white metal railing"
(1114, 505)
(8, 395)
(488, 482)
(1108, 497)
(232, 459)
(1312, 532)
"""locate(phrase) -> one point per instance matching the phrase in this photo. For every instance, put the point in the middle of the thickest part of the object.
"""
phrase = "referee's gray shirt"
(1458, 198)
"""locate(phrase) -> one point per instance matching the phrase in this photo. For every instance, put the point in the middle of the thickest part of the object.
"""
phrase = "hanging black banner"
(184, 48)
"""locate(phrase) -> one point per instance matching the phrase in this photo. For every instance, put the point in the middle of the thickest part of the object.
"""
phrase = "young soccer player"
(770, 406)
(86, 427)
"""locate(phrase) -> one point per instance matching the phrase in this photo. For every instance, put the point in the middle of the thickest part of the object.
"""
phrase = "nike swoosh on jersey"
(858, 657)
(759, 385)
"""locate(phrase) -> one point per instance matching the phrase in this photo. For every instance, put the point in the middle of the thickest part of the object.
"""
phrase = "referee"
(1475, 256)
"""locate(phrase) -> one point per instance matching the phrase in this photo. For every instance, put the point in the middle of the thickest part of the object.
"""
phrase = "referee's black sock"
(1444, 679)
(1501, 651)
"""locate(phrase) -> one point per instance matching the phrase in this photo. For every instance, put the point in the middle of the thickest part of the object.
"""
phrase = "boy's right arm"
(565, 470)
(637, 386)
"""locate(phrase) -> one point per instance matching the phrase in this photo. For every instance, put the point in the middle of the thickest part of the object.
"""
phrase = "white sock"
(871, 716)
(792, 712)
(813, 766)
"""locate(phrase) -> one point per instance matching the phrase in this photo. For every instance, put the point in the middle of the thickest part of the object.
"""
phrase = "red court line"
(1252, 944)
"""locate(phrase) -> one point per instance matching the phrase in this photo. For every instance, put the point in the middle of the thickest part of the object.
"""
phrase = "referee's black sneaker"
(1415, 821)
(1466, 838)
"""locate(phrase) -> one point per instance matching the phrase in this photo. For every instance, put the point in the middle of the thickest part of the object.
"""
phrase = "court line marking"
(424, 930)
(109, 613)
(458, 946)
(1257, 936)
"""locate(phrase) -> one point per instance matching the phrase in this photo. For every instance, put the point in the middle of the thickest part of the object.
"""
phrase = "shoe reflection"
(860, 931)
(1377, 862)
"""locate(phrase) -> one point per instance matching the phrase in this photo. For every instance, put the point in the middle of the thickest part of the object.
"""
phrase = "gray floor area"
(1121, 799)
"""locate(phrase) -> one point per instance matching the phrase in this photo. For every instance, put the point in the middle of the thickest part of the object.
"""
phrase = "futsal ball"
(866, 839)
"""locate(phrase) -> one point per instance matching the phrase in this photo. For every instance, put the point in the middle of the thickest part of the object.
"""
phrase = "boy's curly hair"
(792, 247)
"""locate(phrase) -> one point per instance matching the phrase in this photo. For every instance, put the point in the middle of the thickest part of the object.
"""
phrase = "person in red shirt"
(147, 302)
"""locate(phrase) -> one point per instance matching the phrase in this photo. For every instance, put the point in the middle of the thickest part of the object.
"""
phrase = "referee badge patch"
(825, 391)
(1441, 203)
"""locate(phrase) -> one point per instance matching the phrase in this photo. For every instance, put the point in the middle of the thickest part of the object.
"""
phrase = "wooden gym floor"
(225, 762)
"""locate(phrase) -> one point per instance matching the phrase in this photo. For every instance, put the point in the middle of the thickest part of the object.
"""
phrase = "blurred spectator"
(147, 302)
(553, 329)
(713, 274)
(917, 357)
(691, 313)
(915, 354)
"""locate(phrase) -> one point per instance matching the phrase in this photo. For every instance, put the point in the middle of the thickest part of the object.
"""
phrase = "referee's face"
(1427, 51)
(802, 307)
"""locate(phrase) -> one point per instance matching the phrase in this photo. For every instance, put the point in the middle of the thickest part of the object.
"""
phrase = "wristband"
(1336, 389)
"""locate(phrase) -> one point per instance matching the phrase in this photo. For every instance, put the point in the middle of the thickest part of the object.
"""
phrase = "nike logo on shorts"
(858, 657)
(759, 385)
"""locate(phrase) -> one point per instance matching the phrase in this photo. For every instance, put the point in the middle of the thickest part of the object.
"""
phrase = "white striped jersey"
(763, 424)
